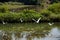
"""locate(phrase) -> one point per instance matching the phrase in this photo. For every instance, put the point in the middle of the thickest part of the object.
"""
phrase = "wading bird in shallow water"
(37, 21)
(50, 24)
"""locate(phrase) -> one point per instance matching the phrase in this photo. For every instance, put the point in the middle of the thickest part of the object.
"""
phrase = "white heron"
(3, 22)
(37, 21)
(21, 20)
(50, 24)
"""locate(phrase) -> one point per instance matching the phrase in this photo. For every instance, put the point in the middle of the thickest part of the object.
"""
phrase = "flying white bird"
(37, 21)
(50, 24)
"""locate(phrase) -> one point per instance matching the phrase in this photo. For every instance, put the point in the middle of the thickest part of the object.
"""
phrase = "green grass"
(18, 27)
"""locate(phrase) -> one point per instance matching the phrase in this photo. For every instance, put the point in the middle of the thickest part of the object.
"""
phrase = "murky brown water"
(52, 34)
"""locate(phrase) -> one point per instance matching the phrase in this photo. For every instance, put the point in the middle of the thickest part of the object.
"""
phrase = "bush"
(30, 14)
(9, 16)
(46, 14)
(55, 8)
(25, 15)
(4, 8)
(52, 13)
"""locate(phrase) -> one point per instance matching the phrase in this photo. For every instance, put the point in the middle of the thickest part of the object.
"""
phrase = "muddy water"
(52, 34)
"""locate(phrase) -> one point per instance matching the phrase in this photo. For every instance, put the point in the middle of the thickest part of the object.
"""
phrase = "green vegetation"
(52, 13)
(26, 27)
(20, 27)
(26, 15)
(16, 17)
(5, 7)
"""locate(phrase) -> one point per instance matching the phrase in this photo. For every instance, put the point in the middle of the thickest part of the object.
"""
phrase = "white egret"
(21, 20)
(50, 24)
(3, 22)
(37, 21)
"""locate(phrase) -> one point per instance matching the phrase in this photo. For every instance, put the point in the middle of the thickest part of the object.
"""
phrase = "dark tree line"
(34, 2)
(55, 1)
(23, 1)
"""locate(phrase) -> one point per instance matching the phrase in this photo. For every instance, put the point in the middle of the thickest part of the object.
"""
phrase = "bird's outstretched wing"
(34, 20)
(37, 21)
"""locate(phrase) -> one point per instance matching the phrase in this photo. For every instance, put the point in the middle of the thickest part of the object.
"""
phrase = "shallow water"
(42, 31)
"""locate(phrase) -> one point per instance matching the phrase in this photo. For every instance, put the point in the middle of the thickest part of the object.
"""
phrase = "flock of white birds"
(37, 21)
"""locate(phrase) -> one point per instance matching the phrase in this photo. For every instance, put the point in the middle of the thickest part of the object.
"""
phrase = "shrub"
(30, 14)
(46, 14)
(4, 8)
(55, 8)
(51, 13)
(25, 15)
(9, 17)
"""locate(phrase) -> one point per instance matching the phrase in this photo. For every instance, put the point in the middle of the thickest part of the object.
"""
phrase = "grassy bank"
(25, 27)
(25, 16)
(52, 13)
(20, 27)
